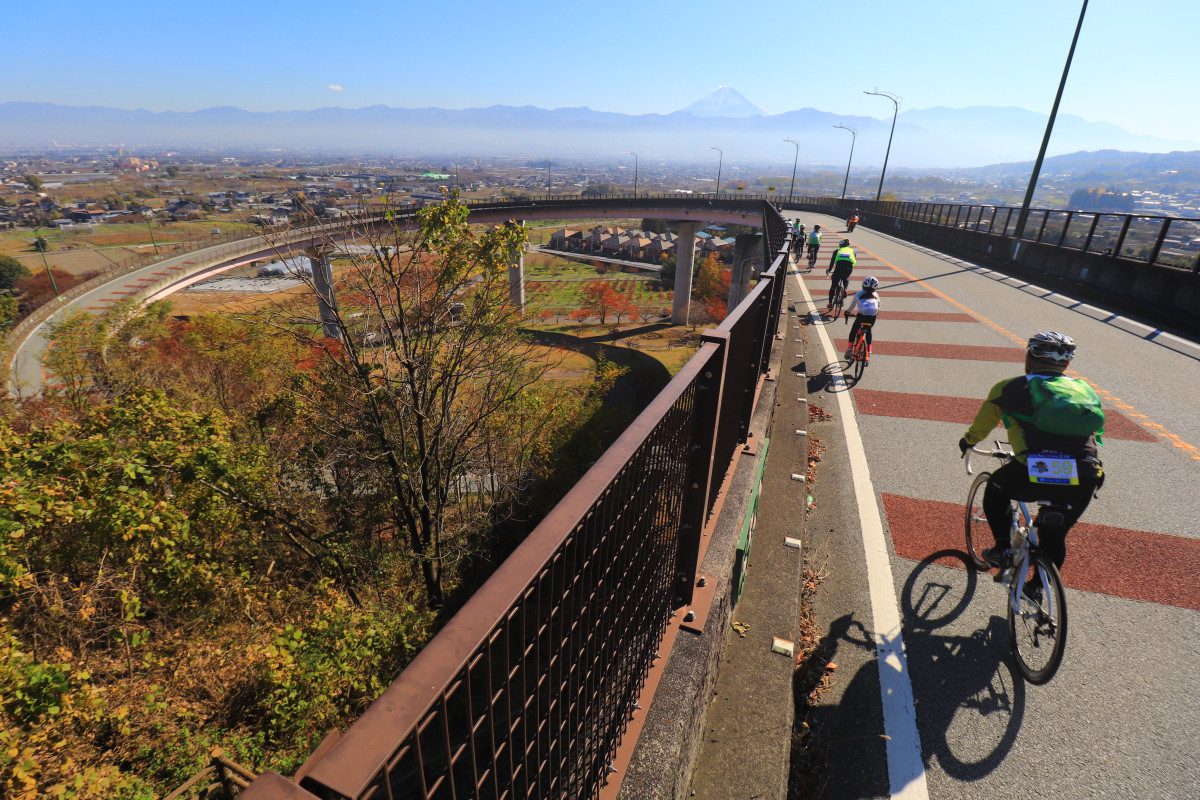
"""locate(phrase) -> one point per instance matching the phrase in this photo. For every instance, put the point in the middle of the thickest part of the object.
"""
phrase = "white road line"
(906, 770)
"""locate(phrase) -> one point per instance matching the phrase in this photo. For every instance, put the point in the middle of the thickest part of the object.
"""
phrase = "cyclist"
(867, 303)
(1048, 354)
(842, 264)
(814, 242)
(852, 221)
(798, 239)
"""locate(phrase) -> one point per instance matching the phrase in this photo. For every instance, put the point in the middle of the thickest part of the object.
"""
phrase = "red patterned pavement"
(939, 408)
(1137, 565)
(964, 352)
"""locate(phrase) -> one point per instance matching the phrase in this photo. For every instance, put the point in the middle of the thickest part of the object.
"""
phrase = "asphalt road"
(1121, 718)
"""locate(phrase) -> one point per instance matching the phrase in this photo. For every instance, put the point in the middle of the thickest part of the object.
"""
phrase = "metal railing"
(1165, 241)
(528, 690)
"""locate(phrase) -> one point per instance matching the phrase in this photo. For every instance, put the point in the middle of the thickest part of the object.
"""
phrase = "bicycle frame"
(1023, 538)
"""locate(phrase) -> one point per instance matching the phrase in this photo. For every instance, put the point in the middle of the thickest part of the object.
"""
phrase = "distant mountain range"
(933, 137)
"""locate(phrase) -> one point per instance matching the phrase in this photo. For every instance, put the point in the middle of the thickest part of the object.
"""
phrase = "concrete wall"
(1161, 296)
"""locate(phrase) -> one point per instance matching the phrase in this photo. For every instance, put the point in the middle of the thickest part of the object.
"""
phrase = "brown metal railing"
(1165, 241)
(528, 690)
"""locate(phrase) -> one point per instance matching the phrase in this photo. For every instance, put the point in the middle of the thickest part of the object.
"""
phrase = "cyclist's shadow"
(970, 701)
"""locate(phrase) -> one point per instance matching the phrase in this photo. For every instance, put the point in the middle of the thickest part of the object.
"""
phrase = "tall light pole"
(853, 138)
(796, 161)
(895, 113)
(547, 176)
(720, 162)
(635, 171)
(1037, 165)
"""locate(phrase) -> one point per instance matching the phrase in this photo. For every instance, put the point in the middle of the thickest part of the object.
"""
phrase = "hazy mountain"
(724, 102)
(935, 137)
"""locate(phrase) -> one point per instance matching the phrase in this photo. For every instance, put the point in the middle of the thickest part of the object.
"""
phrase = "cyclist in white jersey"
(867, 303)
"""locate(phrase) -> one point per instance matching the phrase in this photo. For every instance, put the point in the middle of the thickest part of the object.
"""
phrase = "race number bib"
(1053, 468)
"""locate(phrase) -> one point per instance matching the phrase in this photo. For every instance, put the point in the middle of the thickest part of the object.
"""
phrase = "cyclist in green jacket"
(842, 264)
(1048, 353)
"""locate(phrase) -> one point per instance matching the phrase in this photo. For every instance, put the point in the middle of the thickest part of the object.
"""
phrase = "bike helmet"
(845, 243)
(816, 227)
(870, 282)
(1051, 347)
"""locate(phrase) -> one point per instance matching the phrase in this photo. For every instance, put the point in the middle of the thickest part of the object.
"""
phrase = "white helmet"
(870, 282)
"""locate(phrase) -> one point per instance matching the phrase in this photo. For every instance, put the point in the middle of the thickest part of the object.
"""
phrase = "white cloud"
(333, 87)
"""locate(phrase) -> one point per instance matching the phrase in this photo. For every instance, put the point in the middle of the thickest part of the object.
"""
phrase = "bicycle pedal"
(1005, 575)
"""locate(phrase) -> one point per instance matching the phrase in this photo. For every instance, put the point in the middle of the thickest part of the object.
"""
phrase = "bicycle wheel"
(979, 533)
(1037, 628)
(860, 358)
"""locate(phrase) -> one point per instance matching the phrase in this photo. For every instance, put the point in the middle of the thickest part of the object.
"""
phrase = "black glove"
(963, 446)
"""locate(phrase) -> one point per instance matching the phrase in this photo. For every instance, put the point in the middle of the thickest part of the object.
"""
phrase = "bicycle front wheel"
(979, 533)
(1037, 625)
(860, 359)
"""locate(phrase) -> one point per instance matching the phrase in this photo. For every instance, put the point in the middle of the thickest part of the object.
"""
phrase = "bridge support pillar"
(516, 276)
(743, 257)
(322, 271)
(685, 259)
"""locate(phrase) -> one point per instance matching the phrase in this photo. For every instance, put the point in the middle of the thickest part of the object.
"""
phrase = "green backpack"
(1063, 406)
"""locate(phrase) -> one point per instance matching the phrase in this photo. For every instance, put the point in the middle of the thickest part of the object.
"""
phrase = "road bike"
(1037, 603)
(860, 352)
(850, 223)
(812, 255)
(839, 299)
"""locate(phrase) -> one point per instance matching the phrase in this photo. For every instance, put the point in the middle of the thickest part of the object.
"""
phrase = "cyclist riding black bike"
(1064, 469)
(814, 243)
(842, 264)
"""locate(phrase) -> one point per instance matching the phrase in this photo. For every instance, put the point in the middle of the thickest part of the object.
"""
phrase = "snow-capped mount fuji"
(724, 101)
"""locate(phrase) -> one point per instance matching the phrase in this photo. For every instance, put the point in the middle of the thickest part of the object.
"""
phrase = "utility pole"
(795, 161)
(635, 173)
(853, 139)
(895, 113)
(1037, 165)
(720, 162)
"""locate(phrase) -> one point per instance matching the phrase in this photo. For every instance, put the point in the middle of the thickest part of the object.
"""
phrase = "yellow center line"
(1154, 427)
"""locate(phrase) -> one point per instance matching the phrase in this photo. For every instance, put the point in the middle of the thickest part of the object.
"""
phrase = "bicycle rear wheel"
(979, 533)
(860, 358)
(1037, 627)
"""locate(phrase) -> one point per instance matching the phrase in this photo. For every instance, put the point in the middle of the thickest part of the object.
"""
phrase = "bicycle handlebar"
(999, 453)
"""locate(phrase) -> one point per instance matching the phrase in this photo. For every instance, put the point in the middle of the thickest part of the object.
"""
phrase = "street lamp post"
(895, 113)
(796, 161)
(1037, 165)
(853, 138)
(40, 243)
(547, 176)
(720, 162)
(635, 172)
(150, 227)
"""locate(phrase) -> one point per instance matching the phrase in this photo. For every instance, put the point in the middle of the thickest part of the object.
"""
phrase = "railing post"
(1158, 243)
(1042, 228)
(1091, 232)
(1121, 235)
(696, 500)
(1062, 237)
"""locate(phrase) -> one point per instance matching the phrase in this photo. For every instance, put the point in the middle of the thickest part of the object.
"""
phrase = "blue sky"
(1136, 64)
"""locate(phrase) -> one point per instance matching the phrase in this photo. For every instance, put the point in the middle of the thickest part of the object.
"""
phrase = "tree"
(34, 182)
(711, 287)
(426, 437)
(599, 299)
(10, 271)
(172, 171)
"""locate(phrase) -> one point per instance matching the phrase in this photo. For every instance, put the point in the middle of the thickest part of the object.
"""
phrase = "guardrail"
(1165, 241)
(528, 689)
